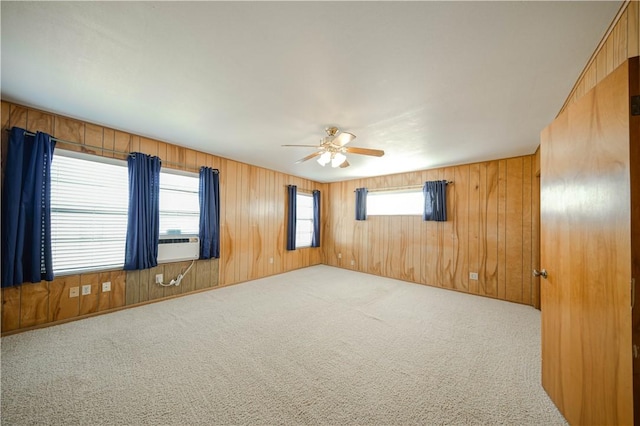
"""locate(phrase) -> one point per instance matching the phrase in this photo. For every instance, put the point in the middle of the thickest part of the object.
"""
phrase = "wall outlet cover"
(86, 289)
(159, 278)
(106, 286)
(74, 291)
(473, 275)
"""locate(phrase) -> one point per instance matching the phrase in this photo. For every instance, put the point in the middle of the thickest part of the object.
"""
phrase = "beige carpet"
(315, 346)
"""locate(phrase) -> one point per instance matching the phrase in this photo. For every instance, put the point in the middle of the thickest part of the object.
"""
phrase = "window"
(385, 203)
(89, 206)
(179, 203)
(89, 201)
(304, 220)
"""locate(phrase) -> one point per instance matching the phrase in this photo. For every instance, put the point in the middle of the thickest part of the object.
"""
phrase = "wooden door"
(586, 251)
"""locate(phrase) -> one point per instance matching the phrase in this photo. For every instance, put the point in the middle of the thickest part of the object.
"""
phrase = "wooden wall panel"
(10, 308)
(621, 42)
(61, 306)
(89, 303)
(513, 230)
(252, 227)
(502, 229)
(34, 307)
(490, 224)
(474, 218)
(461, 229)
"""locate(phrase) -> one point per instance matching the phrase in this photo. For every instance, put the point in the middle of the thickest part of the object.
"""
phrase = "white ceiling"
(431, 83)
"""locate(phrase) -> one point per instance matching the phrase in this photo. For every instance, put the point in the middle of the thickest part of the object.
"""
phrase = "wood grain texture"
(622, 41)
(117, 298)
(148, 288)
(89, 303)
(61, 306)
(586, 243)
(68, 130)
(634, 178)
(34, 308)
(443, 254)
(93, 137)
(475, 218)
(104, 298)
(252, 225)
(10, 308)
(513, 241)
(489, 226)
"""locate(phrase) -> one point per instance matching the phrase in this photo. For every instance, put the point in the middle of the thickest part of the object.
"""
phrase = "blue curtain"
(315, 241)
(26, 209)
(361, 203)
(292, 192)
(209, 194)
(435, 201)
(141, 250)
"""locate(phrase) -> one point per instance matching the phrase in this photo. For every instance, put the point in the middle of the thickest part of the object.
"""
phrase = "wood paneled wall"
(489, 231)
(622, 41)
(252, 221)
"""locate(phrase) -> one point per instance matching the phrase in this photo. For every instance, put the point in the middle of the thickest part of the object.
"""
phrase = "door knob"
(541, 273)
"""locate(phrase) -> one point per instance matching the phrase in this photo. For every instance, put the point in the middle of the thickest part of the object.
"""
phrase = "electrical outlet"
(159, 278)
(86, 289)
(271, 260)
(473, 275)
(353, 262)
(106, 286)
(74, 291)
(339, 255)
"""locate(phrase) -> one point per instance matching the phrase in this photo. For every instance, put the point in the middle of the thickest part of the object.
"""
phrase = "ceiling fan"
(332, 149)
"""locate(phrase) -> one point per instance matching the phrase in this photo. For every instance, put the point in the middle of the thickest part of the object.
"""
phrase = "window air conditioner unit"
(175, 248)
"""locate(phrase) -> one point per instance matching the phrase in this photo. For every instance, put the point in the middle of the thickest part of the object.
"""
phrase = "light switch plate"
(86, 289)
(74, 291)
(106, 286)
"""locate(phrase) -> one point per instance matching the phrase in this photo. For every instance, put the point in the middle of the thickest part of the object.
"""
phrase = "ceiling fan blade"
(308, 157)
(344, 164)
(308, 146)
(365, 151)
(343, 138)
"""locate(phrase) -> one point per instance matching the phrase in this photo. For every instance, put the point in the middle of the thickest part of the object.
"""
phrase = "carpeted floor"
(319, 345)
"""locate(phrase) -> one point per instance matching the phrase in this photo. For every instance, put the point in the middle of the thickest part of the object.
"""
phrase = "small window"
(89, 203)
(387, 203)
(304, 220)
(179, 203)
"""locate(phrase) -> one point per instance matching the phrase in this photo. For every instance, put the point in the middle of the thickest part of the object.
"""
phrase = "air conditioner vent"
(176, 248)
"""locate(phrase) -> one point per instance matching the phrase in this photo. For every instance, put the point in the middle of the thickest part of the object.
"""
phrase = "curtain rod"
(302, 189)
(97, 148)
(398, 188)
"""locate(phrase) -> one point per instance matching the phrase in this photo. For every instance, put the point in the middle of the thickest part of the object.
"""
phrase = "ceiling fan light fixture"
(338, 159)
(324, 159)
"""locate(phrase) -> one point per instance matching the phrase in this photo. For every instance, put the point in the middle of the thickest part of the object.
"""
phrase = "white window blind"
(89, 201)
(385, 203)
(304, 220)
(179, 204)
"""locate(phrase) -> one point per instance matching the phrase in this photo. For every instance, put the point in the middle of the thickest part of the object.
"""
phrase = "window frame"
(168, 171)
(298, 219)
(54, 211)
(119, 163)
